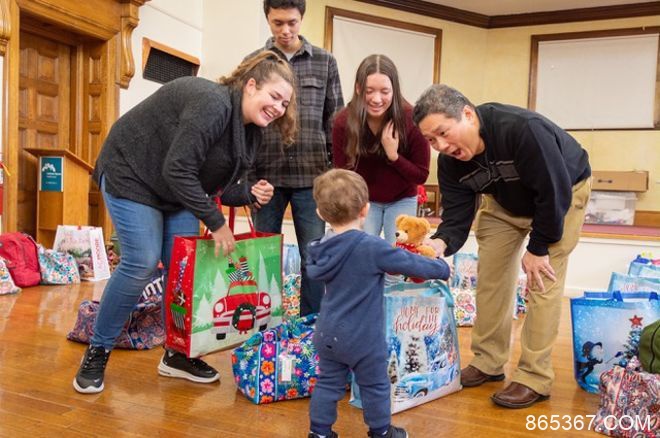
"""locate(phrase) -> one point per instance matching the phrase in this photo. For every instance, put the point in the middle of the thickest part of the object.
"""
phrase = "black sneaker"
(89, 379)
(333, 434)
(175, 364)
(392, 432)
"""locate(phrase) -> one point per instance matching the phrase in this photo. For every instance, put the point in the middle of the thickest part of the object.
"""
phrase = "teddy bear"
(411, 232)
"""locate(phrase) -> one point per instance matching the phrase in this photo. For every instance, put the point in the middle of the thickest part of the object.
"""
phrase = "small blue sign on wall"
(50, 177)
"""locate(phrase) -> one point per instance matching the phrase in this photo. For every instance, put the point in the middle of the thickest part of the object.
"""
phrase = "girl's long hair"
(261, 68)
(356, 120)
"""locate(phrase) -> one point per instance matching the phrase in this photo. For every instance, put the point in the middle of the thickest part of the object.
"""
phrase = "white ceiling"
(507, 7)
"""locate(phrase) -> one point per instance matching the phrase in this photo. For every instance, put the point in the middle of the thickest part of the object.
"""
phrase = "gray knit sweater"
(182, 143)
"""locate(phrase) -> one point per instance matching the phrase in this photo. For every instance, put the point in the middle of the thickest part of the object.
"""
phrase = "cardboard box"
(621, 181)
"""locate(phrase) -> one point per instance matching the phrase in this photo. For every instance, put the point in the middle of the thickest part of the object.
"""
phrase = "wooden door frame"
(110, 21)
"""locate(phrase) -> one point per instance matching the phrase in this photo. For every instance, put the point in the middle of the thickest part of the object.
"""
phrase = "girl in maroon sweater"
(376, 137)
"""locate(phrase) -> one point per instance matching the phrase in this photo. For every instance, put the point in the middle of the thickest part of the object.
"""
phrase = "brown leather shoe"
(516, 396)
(471, 376)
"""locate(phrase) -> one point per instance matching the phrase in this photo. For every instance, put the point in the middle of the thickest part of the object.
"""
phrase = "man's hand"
(263, 191)
(224, 240)
(535, 266)
(438, 245)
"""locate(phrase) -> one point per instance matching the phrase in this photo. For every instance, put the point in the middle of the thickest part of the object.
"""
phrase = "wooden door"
(44, 114)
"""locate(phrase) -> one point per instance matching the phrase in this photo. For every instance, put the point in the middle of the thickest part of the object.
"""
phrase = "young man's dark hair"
(285, 4)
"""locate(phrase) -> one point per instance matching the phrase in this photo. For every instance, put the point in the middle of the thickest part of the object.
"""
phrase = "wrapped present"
(278, 364)
(606, 331)
(629, 403)
(291, 296)
(423, 362)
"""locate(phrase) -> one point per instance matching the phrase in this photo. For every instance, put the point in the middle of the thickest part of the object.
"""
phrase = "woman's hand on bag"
(390, 141)
(535, 266)
(224, 240)
(263, 191)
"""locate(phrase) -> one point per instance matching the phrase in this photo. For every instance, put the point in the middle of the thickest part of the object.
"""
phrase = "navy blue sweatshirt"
(353, 265)
(529, 166)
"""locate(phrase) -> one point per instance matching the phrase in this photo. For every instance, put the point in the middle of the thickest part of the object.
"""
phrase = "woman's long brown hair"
(356, 121)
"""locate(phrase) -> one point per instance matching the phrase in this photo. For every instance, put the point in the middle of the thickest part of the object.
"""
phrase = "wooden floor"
(37, 365)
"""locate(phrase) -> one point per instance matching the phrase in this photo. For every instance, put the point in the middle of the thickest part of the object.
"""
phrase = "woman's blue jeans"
(381, 216)
(146, 235)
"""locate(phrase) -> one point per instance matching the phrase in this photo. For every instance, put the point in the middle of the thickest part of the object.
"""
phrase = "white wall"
(218, 32)
(174, 23)
(232, 30)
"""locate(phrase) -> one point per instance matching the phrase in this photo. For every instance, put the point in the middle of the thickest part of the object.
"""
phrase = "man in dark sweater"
(350, 331)
(535, 180)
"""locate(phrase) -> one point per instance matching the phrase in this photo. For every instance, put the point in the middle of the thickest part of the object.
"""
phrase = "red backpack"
(20, 254)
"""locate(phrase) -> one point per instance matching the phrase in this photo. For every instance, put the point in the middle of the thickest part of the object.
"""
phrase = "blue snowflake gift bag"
(278, 364)
(606, 331)
(423, 359)
(632, 283)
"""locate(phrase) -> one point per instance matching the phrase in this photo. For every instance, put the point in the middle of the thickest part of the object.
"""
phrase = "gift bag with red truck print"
(213, 303)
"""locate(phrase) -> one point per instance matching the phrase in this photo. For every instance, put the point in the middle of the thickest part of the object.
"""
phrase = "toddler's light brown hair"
(340, 195)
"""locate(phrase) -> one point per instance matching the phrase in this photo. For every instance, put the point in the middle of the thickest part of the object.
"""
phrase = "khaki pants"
(500, 236)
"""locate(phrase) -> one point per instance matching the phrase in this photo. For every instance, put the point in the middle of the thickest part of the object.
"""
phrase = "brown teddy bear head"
(411, 230)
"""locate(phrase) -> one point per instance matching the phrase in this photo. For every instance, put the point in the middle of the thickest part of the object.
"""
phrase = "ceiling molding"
(515, 20)
(436, 11)
(573, 15)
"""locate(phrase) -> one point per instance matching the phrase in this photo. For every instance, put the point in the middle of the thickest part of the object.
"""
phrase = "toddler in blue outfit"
(350, 332)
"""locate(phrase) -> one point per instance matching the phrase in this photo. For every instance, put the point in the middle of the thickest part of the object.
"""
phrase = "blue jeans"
(308, 227)
(146, 235)
(382, 216)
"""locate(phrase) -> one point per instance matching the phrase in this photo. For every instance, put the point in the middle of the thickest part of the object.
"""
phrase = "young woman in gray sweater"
(159, 167)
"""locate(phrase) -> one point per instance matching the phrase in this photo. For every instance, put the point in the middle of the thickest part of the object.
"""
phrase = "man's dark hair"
(284, 4)
(440, 99)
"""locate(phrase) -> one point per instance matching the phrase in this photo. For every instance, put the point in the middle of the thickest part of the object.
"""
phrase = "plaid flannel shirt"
(319, 97)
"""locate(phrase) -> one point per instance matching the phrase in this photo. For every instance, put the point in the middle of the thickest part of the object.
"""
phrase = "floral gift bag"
(629, 402)
(57, 267)
(278, 364)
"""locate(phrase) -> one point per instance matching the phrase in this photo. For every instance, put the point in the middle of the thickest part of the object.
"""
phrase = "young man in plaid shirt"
(292, 169)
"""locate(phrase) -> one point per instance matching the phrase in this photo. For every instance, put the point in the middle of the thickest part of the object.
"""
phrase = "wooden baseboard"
(647, 218)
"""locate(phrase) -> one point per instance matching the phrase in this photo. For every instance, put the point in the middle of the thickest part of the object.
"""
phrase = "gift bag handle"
(232, 218)
(619, 296)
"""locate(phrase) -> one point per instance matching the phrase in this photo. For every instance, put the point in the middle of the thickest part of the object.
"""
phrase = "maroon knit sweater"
(387, 181)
